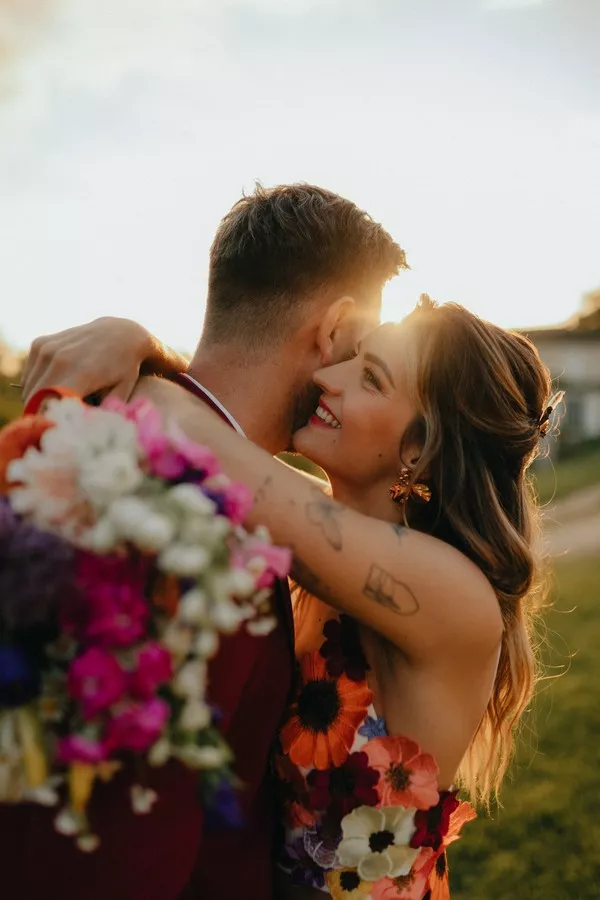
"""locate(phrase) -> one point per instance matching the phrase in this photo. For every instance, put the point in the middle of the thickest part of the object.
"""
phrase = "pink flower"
(153, 669)
(193, 455)
(96, 681)
(77, 748)
(407, 887)
(168, 450)
(238, 500)
(110, 608)
(278, 560)
(407, 777)
(138, 725)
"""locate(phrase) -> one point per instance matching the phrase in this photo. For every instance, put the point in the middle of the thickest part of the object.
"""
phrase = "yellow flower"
(346, 884)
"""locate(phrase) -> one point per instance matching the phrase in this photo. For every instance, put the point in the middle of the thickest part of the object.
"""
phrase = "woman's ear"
(335, 331)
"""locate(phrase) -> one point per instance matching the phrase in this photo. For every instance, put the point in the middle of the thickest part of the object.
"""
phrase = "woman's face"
(356, 432)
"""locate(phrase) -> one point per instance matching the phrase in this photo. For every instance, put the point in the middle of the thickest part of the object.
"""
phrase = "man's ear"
(332, 328)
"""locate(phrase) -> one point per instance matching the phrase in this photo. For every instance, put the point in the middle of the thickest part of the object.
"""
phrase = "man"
(295, 280)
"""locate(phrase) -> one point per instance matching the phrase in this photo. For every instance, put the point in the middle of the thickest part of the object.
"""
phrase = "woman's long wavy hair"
(480, 392)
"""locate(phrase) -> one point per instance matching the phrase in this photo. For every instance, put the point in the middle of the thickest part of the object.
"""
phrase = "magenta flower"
(168, 450)
(96, 681)
(278, 560)
(153, 669)
(111, 609)
(238, 500)
(77, 748)
(138, 725)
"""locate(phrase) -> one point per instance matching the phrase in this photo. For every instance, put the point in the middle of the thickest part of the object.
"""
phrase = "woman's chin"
(304, 441)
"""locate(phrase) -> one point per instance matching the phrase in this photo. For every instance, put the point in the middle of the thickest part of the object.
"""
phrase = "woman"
(416, 661)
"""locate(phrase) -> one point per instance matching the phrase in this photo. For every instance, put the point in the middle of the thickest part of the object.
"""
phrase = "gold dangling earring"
(402, 489)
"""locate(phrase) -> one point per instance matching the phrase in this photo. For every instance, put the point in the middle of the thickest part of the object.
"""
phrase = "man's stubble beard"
(304, 404)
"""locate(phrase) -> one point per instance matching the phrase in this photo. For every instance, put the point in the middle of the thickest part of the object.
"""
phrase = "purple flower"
(19, 679)
(111, 608)
(153, 669)
(137, 726)
(321, 845)
(35, 571)
(303, 870)
(223, 811)
(96, 681)
(373, 728)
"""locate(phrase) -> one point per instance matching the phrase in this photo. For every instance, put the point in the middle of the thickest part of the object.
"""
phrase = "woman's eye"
(371, 378)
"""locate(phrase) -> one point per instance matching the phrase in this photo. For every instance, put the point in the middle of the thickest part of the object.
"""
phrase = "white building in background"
(572, 353)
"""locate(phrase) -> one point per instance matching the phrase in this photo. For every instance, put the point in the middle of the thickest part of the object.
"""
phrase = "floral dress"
(363, 816)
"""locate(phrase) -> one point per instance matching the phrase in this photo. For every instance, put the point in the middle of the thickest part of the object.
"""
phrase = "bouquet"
(122, 559)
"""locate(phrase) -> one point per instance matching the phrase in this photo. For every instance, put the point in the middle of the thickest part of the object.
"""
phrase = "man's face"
(364, 320)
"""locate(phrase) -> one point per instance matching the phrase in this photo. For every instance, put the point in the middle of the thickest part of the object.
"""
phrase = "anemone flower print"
(407, 777)
(324, 718)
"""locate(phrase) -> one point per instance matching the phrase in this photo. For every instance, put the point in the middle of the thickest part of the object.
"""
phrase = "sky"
(470, 129)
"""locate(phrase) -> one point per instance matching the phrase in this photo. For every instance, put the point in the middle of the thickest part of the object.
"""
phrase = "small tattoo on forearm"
(261, 493)
(386, 590)
(303, 575)
(324, 513)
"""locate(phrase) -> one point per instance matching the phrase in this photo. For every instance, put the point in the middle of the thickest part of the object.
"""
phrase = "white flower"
(206, 531)
(190, 499)
(102, 538)
(190, 681)
(137, 520)
(193, 607)
(90, 432)
(184, 560)
(206, 644)
(160, 752)
(227, 616)
(202, 757)
(110, 475)
(48, 489)
(68, 822)
(195, 716)
(177, 639)
(261, 627)
(376, 842)
(241, 583)
(87, 843)
(142, 799)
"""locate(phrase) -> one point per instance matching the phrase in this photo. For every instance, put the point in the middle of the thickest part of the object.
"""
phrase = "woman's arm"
(416, 590)
(106, 355)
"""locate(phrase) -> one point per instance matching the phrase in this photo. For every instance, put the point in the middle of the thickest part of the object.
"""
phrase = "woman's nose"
(329, 379)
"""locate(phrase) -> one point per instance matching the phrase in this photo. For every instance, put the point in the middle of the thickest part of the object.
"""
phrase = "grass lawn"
(544, 844)
(569, 475)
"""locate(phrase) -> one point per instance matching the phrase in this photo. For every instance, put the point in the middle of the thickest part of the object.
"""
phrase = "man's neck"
(257, 395)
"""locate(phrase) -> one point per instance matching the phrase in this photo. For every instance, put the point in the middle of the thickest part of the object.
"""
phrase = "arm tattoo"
(401, 530)
(325, 512)
(384, 589)
(261, 493)
(303, 575)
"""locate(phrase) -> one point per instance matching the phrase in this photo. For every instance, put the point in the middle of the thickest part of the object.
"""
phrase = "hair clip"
(544, 420)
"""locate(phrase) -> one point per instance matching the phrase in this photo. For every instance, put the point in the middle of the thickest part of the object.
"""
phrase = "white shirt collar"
(233, 422)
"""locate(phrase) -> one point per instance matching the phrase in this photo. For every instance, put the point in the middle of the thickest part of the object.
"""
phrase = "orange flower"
(324, 718)
(407, 887)
(15, 439)
(407, 777)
